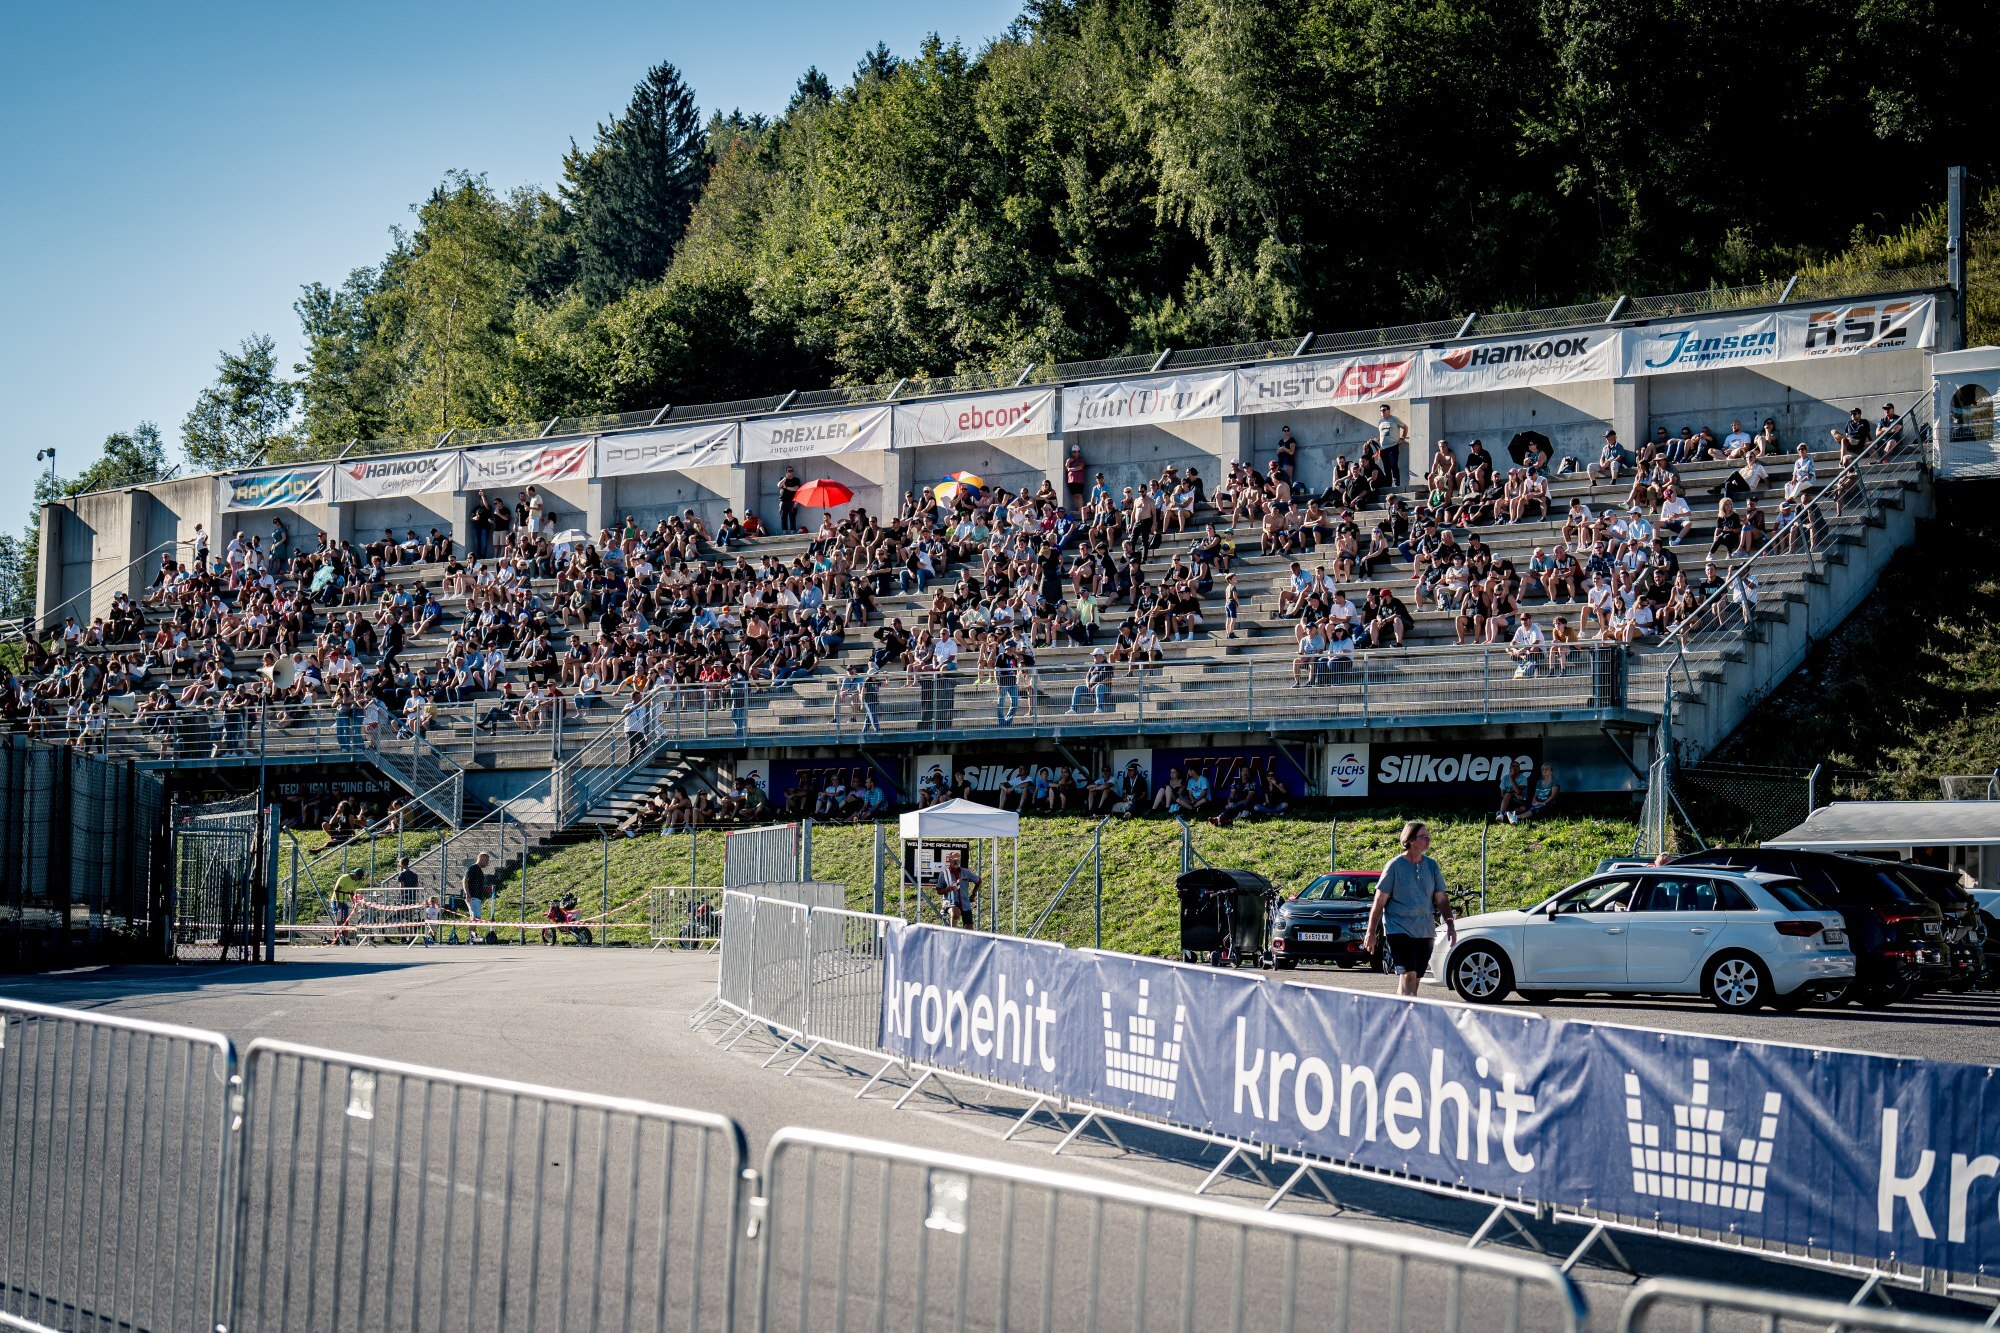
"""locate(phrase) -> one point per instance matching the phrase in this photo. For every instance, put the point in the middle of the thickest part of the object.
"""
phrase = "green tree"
(813, 90)
(347, 380)
(128, 458)
(632, 192)
(246, 411)
(452, 302)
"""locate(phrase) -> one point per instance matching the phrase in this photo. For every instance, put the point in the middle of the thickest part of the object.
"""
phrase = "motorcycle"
(562, 922)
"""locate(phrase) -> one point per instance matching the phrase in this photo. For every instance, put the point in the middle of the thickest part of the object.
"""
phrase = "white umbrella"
(575, 536)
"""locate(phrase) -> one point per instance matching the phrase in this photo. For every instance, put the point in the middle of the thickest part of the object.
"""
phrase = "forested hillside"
(1111, 176)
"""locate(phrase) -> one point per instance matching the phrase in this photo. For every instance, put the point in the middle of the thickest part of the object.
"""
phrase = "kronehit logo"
(1699, 1168)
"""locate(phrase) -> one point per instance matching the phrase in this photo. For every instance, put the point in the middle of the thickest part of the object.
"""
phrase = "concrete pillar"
(897, 468)
(1239, 445)
(1631, 410)
(48, 576)
(599, 512)
(741, 487)
(1426, 429)
(1052, 464)
(340, 521)
(458, 513)
(138, 509)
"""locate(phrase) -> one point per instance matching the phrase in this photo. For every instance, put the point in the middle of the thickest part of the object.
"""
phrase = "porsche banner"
(669, 450)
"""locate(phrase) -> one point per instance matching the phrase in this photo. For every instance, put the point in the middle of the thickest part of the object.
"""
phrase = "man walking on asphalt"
(477, 888)
(1408, 897)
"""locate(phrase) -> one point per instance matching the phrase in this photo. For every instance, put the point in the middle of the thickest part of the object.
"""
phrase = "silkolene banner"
(666, 450)
(1148, 401)
(991, 416)
(815, 435)
(1283, 386)
(384, 478)
(522, 464)
(1857, 1154)
(276, 490)
(1521, 362)
(1844, 330)
(1701, 344)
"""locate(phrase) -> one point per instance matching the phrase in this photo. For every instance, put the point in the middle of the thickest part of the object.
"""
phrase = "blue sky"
(171, 175)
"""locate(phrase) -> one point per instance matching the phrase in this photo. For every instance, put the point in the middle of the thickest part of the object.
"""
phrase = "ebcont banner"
(815, 435)
(523, 464)
(1857, 1154)
(1148, 401)
(666, 450)
(276, 490)
(989, 416)
(1522, 362)
(384, 478)
(1701, 344)
(1846, 330)
(1284, 385)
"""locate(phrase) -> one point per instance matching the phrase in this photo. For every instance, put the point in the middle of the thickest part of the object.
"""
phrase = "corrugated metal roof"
(1859, 824)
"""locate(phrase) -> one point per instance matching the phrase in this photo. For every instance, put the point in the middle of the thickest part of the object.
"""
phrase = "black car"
(1894, 928)
(1326, 921)
(1964, 926)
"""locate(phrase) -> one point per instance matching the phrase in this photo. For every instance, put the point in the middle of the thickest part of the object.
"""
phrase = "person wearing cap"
(1609, 460)
(1738, 441)
(1096, 685)
(1888, 431)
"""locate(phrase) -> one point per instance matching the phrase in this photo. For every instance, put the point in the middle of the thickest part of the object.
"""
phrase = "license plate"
(1318, 936)
(1835, 937)
(1932, 927)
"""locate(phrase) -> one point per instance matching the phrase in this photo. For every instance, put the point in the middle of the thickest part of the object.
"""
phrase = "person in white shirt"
(945, 651)
(1737, 442)
(1675, 515)
(1527, 643)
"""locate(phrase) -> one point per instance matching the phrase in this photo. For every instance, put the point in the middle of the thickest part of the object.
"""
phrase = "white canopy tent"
(970, 822)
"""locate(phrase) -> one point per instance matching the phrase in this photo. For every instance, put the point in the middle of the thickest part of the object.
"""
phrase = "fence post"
(879, 841)
(805, 867)
(1332, 844)
(1097, 873)
(1812, 788)
(1485, 829)
(292, 889)
(1486, 683)
(1250, 704)
(604, 915)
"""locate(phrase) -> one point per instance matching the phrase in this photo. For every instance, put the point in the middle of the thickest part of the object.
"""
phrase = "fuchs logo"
(1851, 328)
(384, 469)
(1688, 348)
(1700, 1168)
(1506, 354)
(1137, 1059)
(1348, 769)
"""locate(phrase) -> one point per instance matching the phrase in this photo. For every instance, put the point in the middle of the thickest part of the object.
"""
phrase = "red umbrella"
(823, 494)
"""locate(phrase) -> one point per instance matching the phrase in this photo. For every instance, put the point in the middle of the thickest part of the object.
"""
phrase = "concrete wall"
(873, 476)
(1808, 398)
(1323, 433)
(649, 499)
(1016, 465)
(1128, 455)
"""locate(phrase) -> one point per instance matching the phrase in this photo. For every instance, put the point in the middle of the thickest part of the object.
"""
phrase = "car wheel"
(1736, 983)
(1814, 995)
(1284, 964)
(1481, 974)
(1882, 994)
(1538, 996)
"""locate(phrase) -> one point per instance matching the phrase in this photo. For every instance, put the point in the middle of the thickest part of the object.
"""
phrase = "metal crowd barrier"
(114, 1167)
(383, 1195)
(688, 918)
(1664, 1305)
(865, 1234)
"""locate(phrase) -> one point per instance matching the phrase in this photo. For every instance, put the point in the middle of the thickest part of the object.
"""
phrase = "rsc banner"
(1862, 1155)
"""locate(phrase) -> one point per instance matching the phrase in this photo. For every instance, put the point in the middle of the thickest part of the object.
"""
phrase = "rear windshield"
(1876, 888)
(1793, 896)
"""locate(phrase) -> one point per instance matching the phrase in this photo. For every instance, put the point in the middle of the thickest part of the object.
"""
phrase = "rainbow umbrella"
(956, 484)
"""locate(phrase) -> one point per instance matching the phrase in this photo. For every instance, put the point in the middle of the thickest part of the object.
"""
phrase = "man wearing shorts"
(1408, 896)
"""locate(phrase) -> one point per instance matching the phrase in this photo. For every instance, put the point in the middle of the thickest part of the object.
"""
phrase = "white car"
(1742, 938)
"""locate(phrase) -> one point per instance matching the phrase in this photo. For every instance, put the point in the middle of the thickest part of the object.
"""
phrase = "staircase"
(433, 778)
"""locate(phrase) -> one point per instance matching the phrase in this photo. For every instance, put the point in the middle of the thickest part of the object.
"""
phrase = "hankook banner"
(1285, 385)
(385, 478)
(1149, 401)
(815, 435)
(668, 450)
(276, 490)
(1523, 362)
(522, 464)
(992, 416)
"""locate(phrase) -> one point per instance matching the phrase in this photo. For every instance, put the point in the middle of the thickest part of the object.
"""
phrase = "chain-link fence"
(80, 858)
(221, 882)
(1743, 803)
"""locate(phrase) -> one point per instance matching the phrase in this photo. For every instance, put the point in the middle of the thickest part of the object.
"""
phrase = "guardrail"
(1664, 1304)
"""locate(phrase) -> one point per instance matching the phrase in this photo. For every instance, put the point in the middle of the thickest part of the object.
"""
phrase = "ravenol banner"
(1862, 1155)
(667, 450)
(384, 478)
(277, 490)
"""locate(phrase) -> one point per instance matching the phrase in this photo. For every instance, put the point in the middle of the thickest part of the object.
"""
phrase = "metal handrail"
(44, 618)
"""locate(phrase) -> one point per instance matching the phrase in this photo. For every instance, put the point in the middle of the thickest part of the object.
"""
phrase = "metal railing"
(51, 619)
(767, 855)
(891, 1235)
(1664, 1305)
(689, 917)
(1970, 786)
(114, 1169)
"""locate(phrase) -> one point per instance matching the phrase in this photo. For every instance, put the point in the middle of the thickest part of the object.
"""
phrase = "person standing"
(348, 891)
(477, 887)
(788, 500)
(960, 886)
(1409, 896)
(1075, 475)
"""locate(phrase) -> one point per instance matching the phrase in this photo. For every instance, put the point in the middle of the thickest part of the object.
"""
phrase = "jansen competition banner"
(276, 490)
(666, 450)
(385, 478)
(1340, 382)
(1148, 401)
(1523, 362)
(522, 464)
(1701, 344)
(990, 416)
(1861, 1155)
(815, 435)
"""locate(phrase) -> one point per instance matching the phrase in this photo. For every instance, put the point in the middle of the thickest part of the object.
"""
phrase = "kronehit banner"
(1861, 1155)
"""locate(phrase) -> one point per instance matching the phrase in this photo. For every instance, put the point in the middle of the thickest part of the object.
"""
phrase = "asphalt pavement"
(615, 1021)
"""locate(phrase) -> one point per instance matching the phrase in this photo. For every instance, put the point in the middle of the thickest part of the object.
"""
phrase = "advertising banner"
(1862, 1155)
(386, 478)
(988, 780)
(924, 863)
(1346, 773)
(1223, 763)
(815, 435)
(1339, 382)
(991, 416)
(1524, 362)
(780, 777)
(525, 464)
(277, 490)
(666, 450)
(1845, 330)
(1148, 401)
(1437, 768)
(1701, 344)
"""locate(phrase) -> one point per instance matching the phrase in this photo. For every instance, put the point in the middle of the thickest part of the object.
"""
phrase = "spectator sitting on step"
(1238, 801)
(1541, 795)
(1888, 432)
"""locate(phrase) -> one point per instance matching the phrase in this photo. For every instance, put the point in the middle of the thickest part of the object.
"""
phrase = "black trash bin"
(1224, 916)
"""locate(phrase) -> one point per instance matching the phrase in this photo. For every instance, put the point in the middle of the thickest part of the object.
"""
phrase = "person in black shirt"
(788, 502)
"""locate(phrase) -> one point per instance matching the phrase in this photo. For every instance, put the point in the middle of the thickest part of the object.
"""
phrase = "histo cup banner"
(525, 464)
(1283, 386)
(1859, 1154)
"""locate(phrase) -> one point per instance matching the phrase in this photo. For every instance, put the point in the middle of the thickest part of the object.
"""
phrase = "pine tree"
(632, 192)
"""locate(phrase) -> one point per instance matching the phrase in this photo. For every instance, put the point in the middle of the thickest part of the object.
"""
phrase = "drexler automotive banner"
(1858, 1154)
(816, 434)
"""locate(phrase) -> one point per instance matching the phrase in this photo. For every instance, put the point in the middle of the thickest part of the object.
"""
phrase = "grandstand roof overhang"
(1858, 825)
